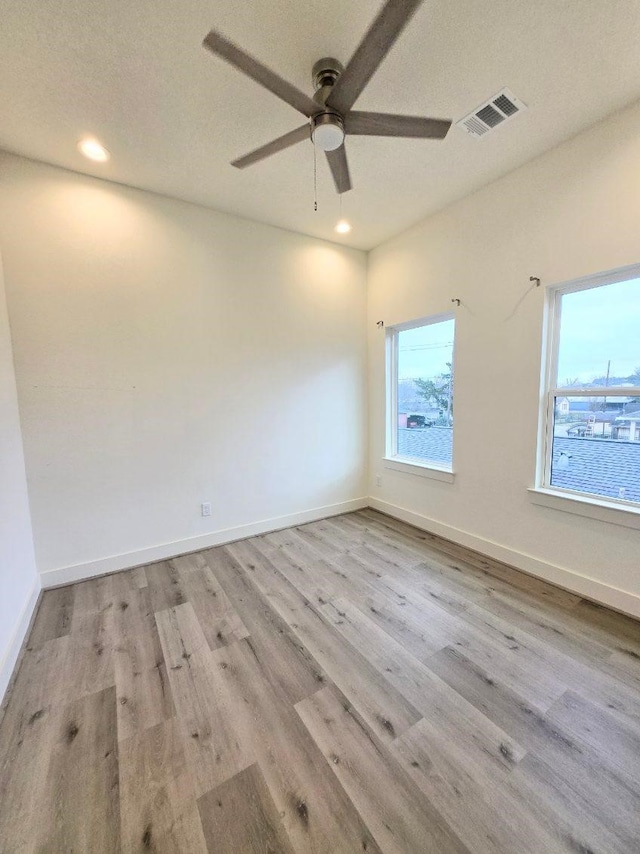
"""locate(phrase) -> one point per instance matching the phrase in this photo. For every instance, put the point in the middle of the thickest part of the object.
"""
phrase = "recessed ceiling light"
(343, 227)
(92, 149)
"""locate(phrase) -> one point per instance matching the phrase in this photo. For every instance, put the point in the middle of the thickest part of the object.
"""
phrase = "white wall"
(18, 579)
(168, 355)
(571, 212)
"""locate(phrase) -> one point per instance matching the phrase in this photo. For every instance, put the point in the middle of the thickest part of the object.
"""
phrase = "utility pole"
(606, 384)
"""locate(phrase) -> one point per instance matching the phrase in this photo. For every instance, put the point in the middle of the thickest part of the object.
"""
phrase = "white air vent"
(494, 112)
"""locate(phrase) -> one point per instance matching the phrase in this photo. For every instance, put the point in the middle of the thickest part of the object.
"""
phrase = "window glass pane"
(596, 446)
(425, 392)
(599, 337)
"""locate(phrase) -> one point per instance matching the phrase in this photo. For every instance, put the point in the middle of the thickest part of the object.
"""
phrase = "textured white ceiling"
(134, 74)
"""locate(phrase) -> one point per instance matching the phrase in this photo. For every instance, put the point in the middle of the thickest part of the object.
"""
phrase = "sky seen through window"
(599, 326)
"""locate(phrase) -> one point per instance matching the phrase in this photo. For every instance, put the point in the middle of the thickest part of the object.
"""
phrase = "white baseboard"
(582, 585)
(10, 657)
(164, 551)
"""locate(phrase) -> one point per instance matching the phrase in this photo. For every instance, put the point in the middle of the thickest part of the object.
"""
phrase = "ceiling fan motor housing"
(325, 72)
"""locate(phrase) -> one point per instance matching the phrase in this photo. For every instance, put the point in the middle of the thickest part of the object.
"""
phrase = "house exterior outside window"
(420, 396)
(590, 416)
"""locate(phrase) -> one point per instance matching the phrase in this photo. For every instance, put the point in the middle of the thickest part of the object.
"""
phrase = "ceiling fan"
(336, 91)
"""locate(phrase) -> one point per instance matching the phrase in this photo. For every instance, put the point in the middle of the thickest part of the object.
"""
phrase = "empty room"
(320, 427)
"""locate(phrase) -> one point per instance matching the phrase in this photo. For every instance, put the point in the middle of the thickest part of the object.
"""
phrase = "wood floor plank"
(624, 666)
(460, 721)
(300, 544)
(384, 708)
(602, 788)
(479, 572)
(400, 818)
(549, 625)
(205, 714)
(475, 804)
(82, 786)
(359, 574)
(316, 814)
(158, 806)
(91, 597)
(412, 622)
(91, 652)
(423, 626)
(144, 699)
(27, 734)
(240, 815)
(622, 631)
(41, 686)
(285, 661)
(436, 544)
(566, 807)
(324, 532)
(134, 625)
(142, 684)
(385, 547)
(583, 665)
(140, 576)
(165, 589)
(217, 616)
(590, 627)
(424, 579)
(54, 616)
(296, 563)
(319, 579)
(618, 743)
(518, 583)
(430, 578)
(376, 533)
(596, 681)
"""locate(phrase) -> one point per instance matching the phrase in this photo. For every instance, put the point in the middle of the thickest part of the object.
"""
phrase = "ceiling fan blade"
(387, 124)
(339, 169)
(231, 53)
(373, 48)
(273, 147)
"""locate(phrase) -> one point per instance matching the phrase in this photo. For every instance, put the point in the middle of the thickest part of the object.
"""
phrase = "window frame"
(392, 460)
(550, 390)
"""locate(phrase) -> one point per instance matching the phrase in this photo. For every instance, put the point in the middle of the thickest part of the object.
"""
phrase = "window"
(420, 393)
(591, 415)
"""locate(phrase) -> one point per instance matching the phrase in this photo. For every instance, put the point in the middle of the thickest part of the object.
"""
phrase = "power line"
(414, 347)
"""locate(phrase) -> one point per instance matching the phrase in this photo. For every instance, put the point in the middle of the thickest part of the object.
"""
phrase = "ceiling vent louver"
(494, 112)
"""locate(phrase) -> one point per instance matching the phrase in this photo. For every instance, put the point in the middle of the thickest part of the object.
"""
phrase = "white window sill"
(421, 469)
(592, 508)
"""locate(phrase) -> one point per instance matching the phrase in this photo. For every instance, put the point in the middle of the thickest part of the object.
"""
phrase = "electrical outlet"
(378, 481)
(205, 508)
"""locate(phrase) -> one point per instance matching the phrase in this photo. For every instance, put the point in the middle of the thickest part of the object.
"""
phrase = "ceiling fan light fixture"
(343, 226)
(327, 131)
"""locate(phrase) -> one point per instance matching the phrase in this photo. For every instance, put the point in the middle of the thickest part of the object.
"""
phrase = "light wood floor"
(349, 685)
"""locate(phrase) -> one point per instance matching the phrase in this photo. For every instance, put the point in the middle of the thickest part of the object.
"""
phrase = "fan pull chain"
(315, 180)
